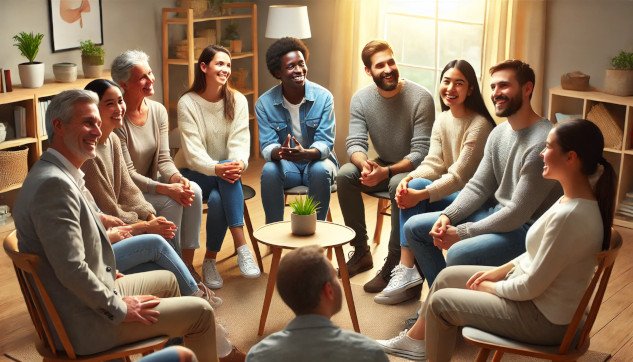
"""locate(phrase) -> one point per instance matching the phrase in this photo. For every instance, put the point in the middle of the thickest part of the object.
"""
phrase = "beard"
(387, 85)
(514, 104)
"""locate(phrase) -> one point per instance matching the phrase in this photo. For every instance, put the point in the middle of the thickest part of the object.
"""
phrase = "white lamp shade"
(288, 20)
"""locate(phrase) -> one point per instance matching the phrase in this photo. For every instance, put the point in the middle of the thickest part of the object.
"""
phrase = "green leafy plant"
(624, 60)
(89, 48)
(304, 206)
(231, 33)
(29, 44)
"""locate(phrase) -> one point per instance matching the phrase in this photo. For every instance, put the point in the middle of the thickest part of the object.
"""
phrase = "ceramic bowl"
(65, 72)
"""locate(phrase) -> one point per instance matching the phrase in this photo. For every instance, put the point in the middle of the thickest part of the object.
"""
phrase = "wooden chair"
(27, 264)
(384, 204)
(576, 340)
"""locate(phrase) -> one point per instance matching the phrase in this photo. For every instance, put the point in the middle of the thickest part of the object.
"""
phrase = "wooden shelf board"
(624, 221)
(241, 55)
(178, 61)
(17, 142)
(50, 88)
(183, 20)
(10, 188)
(628, 152)
(592, 95)
(612, 150)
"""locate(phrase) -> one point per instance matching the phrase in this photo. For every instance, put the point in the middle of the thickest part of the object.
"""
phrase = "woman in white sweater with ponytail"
(213, 123)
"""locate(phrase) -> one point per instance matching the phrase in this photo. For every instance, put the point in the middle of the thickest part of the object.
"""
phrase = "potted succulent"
(92, 58)
(233, 36)
(619, 80)
(303, 216)
(31, 73)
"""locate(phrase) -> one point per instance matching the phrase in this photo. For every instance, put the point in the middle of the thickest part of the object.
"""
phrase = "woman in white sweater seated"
(213, 123)
(457, 146)
(533, 297)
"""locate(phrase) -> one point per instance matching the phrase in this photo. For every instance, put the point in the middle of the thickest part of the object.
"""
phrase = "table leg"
(272, 277)
(342, 267)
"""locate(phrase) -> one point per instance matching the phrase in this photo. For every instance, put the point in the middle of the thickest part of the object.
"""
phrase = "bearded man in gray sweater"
(398, 116)
(488, 221)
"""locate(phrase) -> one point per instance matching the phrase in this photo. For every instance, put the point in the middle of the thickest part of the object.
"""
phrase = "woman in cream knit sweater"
(213, 123)
(457, 145)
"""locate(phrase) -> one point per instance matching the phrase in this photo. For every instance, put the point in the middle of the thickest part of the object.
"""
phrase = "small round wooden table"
(328, 235)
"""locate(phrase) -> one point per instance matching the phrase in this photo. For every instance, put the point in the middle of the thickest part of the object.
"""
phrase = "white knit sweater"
(207, 137)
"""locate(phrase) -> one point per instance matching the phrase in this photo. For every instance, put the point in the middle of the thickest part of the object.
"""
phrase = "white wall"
(583, 35)
(127, 24)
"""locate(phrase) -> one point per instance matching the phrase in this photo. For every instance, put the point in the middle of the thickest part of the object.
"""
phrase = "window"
(427, 34)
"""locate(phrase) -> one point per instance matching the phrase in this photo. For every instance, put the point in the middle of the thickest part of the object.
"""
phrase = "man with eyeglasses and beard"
(398, 116)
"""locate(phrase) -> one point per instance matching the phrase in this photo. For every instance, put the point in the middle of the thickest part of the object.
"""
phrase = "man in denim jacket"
(296, 131)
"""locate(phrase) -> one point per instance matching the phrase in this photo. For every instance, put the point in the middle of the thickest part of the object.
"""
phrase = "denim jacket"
(318, 125)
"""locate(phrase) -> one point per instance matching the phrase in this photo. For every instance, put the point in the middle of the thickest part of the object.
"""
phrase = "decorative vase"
(619, 82)
(92, 65)
(303, 224)
(236, 46)
(65, 72)
(31, 74)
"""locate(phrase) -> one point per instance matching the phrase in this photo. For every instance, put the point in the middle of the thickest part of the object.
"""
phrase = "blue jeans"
(422, 207)
(226, 205)
(151, 252)
(485, 249)
(279, 175)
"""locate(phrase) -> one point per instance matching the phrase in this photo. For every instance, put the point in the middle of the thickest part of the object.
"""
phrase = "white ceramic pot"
(31, 74)
(65, 72)
(303, 224)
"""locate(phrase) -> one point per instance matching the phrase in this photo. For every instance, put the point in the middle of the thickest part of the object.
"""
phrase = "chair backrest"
(588, 308)
(26, 265)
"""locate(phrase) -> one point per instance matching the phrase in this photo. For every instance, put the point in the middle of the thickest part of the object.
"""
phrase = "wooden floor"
(612, 332)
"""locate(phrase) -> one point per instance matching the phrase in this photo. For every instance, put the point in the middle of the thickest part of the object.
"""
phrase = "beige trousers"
(190, 317)
(450, 305)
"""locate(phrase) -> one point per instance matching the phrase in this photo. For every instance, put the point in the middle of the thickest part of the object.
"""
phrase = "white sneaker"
(402, 278)
(206, 294)
(210, 276)
(245, 260)
(405, 346)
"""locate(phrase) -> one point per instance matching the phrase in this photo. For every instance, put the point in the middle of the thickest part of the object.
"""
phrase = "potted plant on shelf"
(619, 80)
(303, 216)
(233, 36)
(92, 58)
(31, 73)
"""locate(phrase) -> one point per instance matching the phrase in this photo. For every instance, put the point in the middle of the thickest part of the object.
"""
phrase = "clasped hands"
(230, 171)
(179, 189)
(444, 234)
(292, 154)
(372, 173)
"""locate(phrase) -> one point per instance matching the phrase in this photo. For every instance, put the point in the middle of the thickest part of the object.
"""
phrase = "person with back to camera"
(213, 124)
(533, 297)
(145, 145)
(296, 131)
(307, 283)
(457, 145)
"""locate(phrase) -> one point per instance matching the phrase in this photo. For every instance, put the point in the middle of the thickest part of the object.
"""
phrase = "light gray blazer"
(55, 221)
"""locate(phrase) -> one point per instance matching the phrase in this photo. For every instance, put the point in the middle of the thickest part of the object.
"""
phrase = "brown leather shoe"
(380, 281)
(360, 261)
(235, 356)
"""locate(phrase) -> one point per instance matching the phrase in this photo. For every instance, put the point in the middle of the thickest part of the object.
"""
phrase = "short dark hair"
(522, 71)
(372, 48)
(282, 47)
(301, 276)
(100, 86)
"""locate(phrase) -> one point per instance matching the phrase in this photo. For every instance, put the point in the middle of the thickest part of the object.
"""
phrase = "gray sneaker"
(405, 346)
(210, 276)
(247, 264)
(402, 278)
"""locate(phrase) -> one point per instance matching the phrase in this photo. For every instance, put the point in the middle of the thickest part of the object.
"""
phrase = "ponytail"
(605, 194)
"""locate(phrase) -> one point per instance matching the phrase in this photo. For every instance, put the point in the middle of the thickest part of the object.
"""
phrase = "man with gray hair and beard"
(307, 283)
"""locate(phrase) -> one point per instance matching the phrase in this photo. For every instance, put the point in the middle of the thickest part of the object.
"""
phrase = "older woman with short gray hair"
(145, 144)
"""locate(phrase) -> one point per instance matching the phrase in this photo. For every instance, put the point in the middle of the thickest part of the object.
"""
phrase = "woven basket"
(599, 114)
(13, 166)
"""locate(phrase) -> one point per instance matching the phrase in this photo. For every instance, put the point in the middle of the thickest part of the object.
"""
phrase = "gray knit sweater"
(510, 175)
(399, 127)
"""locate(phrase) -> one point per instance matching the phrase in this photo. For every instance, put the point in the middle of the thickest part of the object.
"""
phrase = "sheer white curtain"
(515, 29)
(355, 23)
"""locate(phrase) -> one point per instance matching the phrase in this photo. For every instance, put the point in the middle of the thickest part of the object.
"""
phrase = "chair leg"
(379, 217)
(482, 356)
(329, 215)
(497, 356)
(249, 227)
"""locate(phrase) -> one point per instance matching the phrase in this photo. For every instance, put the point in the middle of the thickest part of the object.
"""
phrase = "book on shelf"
(1, 81)
(19, 117)
(43, 106)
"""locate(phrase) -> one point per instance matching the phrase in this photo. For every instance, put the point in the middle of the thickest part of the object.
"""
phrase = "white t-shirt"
(296, 121)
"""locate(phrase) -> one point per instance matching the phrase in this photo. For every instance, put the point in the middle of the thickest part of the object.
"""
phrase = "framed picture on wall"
(73, 21)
